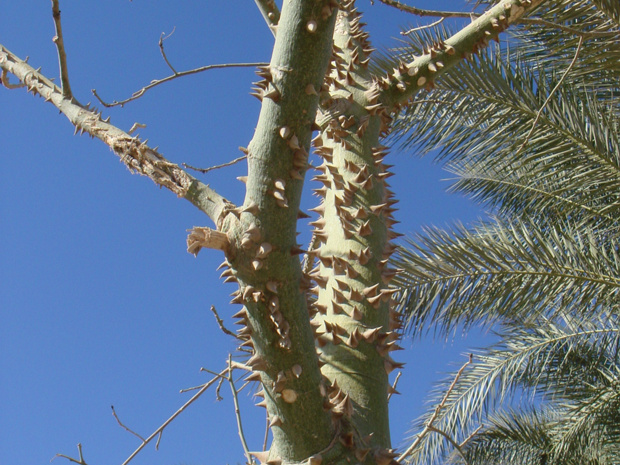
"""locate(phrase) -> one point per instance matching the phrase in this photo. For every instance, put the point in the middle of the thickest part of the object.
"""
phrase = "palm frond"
(498, 273)
(536, 362)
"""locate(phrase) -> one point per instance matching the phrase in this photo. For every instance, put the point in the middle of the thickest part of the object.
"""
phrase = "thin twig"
(62, 55)
(451, 441)
(220, 323)
(211, 168)
(176, 414)
(71, 459)
(218, 397)
(429, 424)
(427, 26)
(238, 411)
(266, 433)
(163, 37)
(538, 115)
(393, 391)
(420, 12)
(156, 82)
(469, 438)
(570, 30)
(123, 426)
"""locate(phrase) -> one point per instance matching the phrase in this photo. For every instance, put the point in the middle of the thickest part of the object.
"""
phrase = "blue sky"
(100, 302)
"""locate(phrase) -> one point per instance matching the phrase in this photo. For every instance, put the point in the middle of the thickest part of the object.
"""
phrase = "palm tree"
(531, 130)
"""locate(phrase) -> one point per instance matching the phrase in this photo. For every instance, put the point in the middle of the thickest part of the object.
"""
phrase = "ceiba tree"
(321, 332)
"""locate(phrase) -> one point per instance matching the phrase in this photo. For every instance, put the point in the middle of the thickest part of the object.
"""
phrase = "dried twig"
(211, 168)
(220, 323)
(570, 66)
(429, 424)
(122, 425)
(420, 12)
(71, 459)
(238, 411)
(159, 430)
(156, 82)
(62, 55)
(451, 441)
(426, 26)
(163, 37)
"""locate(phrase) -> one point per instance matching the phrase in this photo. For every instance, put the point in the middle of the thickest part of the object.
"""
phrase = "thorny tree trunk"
(322, 338)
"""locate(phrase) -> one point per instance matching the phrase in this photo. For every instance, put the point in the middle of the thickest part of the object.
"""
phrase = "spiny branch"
(139, 93)
(136, 154)
(270, 12)
(62, 55)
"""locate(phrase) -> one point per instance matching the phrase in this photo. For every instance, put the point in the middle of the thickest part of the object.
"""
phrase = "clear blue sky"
(100, 303)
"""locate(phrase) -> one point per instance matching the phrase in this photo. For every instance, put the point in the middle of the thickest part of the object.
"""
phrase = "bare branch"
(62, 55)
(429, 424)
(270, 12)
(123, 426)
(163, 37)
(71, 459)
(156, 82)
(538, 115)
(451, 441)
(426, 26)
(420, 12)
(238, 411)
(136, 154)
(220, 323)
(211, 168)
(159, 430)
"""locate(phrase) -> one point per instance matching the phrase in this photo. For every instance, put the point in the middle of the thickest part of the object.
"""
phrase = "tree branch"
(233, 389)
(62, 56)
(139, 93)
(270, 12)
(136, 154)
(159, 430)
(420, 12)
(429, 424)
(408, 78)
